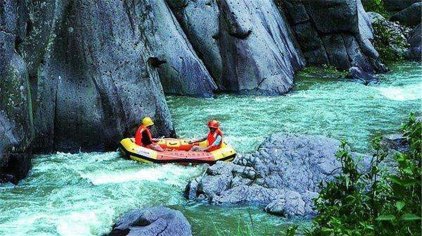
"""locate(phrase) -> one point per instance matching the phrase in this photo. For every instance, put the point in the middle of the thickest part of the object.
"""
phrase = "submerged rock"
(283, 175)
(357, 74)
(152, 221)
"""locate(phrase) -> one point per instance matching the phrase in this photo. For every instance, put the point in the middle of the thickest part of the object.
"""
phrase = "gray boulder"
(259, 54)
(410, 16)
(343, 42)
(398, 5)
(283, 175)
(152, 221)
(415, 40)
(181, 71)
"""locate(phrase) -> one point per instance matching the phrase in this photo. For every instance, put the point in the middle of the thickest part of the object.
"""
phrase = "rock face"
(16, 123)
(410, 16)
(200, 21)
(152, 221)
(415, 40)
(91, 82)
(258, 51)
(343, 42)
(181, 71)
(283, 175)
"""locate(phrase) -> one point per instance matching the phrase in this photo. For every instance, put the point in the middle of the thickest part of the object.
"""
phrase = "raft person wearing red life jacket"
(143, 136)
(214, 138)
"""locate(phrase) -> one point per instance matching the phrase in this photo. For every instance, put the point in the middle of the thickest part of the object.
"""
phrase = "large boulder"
(410, 16)
(181, 71)
(152, 221)
(343, 42)
(259, 54)
(90, 77)
(398, 5)
(415, 40)
(16, 123)
(283, 175)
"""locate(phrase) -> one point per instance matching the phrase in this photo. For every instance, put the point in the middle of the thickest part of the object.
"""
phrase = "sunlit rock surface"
(259, 52)
(283, 175)
(90, 80)
(200, 21)
(181, 71)
(152, 221)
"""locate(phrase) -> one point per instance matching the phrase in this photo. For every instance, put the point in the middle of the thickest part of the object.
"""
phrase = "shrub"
(374, 202)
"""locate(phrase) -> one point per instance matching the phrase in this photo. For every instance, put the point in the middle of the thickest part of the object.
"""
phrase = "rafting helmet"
(147, 121)
(213, 124)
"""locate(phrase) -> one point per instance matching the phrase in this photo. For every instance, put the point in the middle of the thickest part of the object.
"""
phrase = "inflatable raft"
(176, 150)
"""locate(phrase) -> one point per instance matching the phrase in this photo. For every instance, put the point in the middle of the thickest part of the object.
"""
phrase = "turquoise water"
(336, 108)
(83, 194)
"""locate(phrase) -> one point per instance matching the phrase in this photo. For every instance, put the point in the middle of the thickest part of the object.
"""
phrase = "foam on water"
(169, 174)
(404, 93)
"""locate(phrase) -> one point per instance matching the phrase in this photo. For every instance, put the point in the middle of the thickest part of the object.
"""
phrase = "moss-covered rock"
(389, 38)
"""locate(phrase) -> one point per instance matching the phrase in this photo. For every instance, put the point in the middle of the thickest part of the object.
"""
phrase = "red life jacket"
(212, 137)
(138, 135)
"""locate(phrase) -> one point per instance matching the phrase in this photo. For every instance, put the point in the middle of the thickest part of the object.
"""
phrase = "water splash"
(404, 93)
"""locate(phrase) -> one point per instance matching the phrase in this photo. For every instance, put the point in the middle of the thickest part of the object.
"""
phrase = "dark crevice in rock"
(241, 35)
(155, 61)
(163, 230)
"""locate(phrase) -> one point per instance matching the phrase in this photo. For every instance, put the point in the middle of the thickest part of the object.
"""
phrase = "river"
(83, 194)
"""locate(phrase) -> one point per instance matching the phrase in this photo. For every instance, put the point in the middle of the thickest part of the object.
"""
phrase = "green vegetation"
(389, 40)
(374, 202)
(375, 6)
(326, 71)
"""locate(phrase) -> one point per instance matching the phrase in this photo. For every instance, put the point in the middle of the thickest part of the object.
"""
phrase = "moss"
(326, 71)
(376, 6)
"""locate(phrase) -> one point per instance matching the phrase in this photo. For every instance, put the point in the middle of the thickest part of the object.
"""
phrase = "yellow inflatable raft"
(176, 151)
